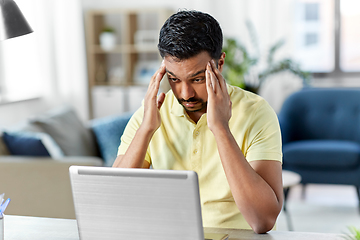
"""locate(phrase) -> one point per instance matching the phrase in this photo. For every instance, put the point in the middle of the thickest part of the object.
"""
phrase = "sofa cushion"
(68, 131)
(326, 154)
(3, 148)
(108, 131)
(31, 144)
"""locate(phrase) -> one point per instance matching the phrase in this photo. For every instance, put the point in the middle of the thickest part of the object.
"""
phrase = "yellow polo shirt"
(180, 144)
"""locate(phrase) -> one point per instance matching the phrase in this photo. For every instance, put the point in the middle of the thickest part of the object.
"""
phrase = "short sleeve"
(264, 135)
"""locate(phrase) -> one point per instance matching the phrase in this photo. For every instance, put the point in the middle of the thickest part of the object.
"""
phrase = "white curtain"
(70, 54)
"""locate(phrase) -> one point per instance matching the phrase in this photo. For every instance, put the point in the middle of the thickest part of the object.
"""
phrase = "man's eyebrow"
(170, 72)
(192, 75)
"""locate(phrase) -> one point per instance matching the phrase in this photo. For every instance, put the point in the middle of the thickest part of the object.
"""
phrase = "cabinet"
(126, 66)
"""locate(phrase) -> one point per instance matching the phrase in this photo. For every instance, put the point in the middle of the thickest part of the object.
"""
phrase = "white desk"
(290, 179)
(31, 228)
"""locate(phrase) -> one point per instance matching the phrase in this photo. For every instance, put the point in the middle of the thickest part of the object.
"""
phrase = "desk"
(31, 228)
(290, 179)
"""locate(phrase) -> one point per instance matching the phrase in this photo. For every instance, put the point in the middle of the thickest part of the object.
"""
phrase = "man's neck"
(195, 116)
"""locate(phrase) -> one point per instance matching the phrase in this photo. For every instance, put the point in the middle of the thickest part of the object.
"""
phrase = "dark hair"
(188, 33)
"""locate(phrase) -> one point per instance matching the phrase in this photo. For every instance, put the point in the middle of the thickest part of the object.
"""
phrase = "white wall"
(231, 14)
(58, 29)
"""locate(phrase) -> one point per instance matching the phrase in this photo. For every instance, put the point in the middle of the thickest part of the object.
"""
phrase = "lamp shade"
(12, 21)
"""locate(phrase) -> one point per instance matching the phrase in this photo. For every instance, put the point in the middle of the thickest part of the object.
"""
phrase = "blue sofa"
(321, 135)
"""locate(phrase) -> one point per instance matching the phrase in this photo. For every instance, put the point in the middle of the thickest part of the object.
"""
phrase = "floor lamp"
(12, 21)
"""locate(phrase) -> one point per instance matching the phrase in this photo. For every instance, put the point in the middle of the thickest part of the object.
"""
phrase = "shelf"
(110, 84)
(125, 48)
(121, 66)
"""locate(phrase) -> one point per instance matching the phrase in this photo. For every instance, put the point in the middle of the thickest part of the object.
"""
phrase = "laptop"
(137, 204)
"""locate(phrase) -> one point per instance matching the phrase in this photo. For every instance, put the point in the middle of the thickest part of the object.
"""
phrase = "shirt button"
(197, 133)
(195, 151)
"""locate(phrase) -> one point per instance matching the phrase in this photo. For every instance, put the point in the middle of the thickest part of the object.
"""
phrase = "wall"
(63, 46)
(60, 44)
(231, 14)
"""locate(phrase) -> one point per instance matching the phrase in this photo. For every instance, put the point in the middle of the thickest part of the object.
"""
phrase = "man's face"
(188, 82)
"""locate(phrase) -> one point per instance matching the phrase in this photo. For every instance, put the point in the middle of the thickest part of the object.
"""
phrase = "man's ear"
(221, 62)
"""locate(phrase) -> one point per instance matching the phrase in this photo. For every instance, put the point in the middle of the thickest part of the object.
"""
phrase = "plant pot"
(107, 41)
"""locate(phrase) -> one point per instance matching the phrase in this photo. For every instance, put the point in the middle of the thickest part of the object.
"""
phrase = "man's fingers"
(158, 75)
(160, 100)
(154, 84)
(213, 78)
(219, 76)
(209, 86)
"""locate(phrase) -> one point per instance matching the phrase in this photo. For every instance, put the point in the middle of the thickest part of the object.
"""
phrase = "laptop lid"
(117, 203)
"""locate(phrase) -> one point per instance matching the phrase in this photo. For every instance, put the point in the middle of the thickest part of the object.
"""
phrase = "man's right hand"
(152, 102)
(135, 154)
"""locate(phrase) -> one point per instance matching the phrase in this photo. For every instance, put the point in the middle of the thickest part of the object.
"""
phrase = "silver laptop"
(137, 204)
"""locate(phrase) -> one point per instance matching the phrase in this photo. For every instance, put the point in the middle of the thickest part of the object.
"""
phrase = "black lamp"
(12, 21)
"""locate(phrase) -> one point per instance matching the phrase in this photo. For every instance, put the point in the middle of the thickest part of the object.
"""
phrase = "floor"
(325, 208)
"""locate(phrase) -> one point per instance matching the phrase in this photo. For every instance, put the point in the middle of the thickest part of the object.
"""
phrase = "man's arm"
(135, 154)
(256, 186)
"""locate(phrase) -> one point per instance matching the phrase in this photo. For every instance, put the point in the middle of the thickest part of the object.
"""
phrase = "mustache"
(190, 100)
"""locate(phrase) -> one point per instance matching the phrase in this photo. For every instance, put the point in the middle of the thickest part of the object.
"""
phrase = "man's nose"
(187, 91)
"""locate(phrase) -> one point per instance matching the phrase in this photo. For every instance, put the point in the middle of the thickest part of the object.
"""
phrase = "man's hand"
(152, 103)
(135, 154)
(219, 104)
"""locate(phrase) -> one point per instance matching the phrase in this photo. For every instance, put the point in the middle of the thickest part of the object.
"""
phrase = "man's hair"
(188, 33)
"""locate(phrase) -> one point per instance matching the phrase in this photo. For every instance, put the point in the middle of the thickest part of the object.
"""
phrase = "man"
(230, 137)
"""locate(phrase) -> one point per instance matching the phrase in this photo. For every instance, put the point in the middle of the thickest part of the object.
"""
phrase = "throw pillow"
(31, 144)
(3, 148)
(68, 131)
(108, 131)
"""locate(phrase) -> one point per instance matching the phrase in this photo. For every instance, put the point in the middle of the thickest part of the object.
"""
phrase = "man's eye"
(173, 79)
(198, 79)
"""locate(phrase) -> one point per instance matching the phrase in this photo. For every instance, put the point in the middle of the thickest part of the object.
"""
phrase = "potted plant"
(107, 39)
(242, 70)
(353, 235)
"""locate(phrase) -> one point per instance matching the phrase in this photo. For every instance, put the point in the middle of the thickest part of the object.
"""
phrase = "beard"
(198, 101)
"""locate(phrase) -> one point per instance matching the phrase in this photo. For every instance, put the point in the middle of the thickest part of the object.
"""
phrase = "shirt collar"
(177, 109)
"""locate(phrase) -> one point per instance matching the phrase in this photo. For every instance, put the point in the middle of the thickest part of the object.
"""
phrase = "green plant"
(353, 235)
(108, 29)
(242, 70)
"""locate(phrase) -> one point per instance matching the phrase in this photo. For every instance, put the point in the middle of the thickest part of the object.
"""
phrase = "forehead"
(187, 67)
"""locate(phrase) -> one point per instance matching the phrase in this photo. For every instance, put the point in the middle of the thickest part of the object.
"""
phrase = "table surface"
(19, 228)
(290, 178)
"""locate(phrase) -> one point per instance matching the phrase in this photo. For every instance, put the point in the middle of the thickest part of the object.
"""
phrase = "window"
(327, 35)
(311, 11)
(19, 63)
(350, 35)
(311, 39)
(314, 35)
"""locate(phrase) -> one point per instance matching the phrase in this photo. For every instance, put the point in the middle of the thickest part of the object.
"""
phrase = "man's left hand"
(219, 104)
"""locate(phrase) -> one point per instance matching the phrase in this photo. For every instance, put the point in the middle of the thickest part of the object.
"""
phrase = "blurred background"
(64, 61)
(50, 66)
